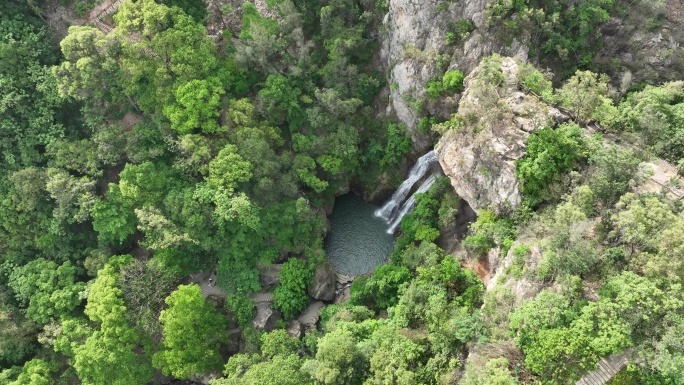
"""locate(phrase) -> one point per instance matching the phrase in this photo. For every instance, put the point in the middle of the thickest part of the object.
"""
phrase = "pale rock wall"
(414, 36)
(479, 158)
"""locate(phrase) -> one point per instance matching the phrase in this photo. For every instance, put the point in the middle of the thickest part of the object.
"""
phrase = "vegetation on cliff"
(133, 158)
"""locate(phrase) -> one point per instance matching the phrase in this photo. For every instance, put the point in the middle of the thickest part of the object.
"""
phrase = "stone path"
(261, 297)
(607, 368)
(207, 282)
(310, 316)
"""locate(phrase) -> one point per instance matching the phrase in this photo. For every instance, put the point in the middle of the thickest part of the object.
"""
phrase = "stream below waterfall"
(361, 235)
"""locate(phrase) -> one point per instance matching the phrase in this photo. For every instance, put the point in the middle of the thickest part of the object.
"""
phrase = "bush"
(382, 287)
(242, 306)
(426, 123)
(549, 153)
(535, 81)
(453, 81)
(489, 231)
(291, 296)
(615, 171)
(398, 144)
(434, 88)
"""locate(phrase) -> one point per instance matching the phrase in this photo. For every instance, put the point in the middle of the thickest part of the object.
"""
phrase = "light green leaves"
(192, 333)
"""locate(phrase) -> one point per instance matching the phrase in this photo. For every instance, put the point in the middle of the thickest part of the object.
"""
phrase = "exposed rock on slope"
(644, 45)
(416, 50)
(496, 119)
(324, 284)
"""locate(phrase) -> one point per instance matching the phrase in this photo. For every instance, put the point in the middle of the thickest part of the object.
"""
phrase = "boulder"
(266, 318)
(269, 276)
(233, 345)
(323, 287)
(294, 329)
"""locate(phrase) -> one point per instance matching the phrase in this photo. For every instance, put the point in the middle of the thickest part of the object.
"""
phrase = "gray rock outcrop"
(266, 318)
(294, 329)
(325, 281)
(269, 276)
(644, 45)
(479, 156)
(415, 50)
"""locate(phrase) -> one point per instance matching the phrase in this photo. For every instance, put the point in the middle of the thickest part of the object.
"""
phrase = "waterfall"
(410, 203)
(416, 173)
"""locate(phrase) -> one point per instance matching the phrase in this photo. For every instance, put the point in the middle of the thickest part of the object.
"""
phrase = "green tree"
(560, 356)
(17, 341)
(547, 311)
(291, 295)
(107, 356)
(278, 342)
(615, 171)
(549, 153)
(90, 70)
(655, 112)
(382, 287)
(49, 290)
(494, 372)
(113, 219)
(36, 372)
(192, 333)
(281, 369)
(586, 95)
(161, 58)
(198, 105)
(339, 361)
(394, 359)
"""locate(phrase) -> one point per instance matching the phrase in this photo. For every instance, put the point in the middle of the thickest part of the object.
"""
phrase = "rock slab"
(325, 281)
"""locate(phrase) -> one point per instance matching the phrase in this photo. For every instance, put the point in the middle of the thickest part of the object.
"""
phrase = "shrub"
(453, 81)
(489, 231)
(434, 88)
(549, 153)
(242, 306)
(291, 296)
(535, 81)
(382, 287)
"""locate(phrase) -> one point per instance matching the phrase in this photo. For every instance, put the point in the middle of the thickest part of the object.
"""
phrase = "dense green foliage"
(550, 152)
(154, 140)
(137, 161)
(431, 304)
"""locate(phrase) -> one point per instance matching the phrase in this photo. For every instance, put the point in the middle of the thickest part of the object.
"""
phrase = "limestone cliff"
(415, 50)
(488, 135)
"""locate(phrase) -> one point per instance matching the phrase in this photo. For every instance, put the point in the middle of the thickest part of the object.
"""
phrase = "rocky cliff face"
(495, 119)
(644, 44)
(416, 50)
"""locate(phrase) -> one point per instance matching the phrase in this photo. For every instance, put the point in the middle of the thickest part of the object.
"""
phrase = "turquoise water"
(358, 240)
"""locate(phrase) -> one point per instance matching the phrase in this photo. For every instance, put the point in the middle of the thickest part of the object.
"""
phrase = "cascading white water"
(409, 204)
(416, 173)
